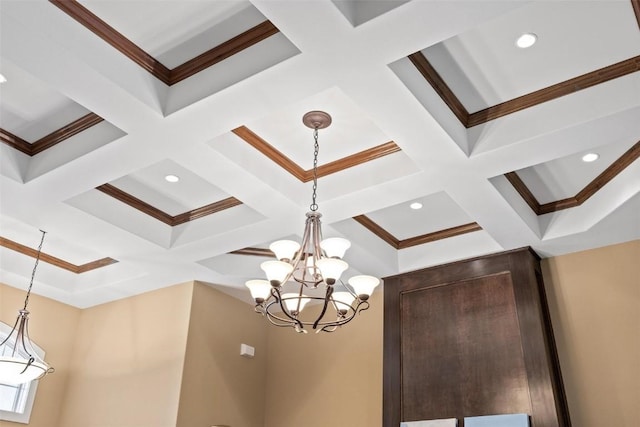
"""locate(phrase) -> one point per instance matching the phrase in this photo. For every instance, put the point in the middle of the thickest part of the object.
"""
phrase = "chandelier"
(19, 362)
(311, 270)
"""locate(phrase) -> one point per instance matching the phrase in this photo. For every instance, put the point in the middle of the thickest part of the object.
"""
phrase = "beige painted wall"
(594, 300)
(320, 380)
(128, 359)
(51, 326)
(593, 297)
(218, 385)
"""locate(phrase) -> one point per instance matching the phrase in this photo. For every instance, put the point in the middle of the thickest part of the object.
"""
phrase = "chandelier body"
(311, 270)
(19, 362)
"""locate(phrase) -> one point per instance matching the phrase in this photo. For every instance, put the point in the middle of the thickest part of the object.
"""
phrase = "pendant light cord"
(33, 273)
(316, 149)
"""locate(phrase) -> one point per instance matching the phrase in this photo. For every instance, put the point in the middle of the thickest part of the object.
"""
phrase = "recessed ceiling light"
(415, 205)
(526, 40)
(590, 157)
(172, 178)
(3, 79)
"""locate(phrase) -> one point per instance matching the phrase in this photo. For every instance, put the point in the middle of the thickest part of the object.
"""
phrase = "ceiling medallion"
(311, 270)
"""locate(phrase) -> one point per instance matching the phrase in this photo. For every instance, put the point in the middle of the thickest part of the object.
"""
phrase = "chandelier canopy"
(19, 361)
(311, 270)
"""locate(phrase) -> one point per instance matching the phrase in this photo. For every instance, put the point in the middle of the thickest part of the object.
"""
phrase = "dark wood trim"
(49, 259)
(95, 265)
(438, 84)
(589, 190)
(522, 189)
(254, 252)
(168, 76)
(611, 172)
(107, 33)
(15, 142)
(558, 205)
(164, 217)
(223, 51)
(203, 211)
(636, 10)
(73, 128)
(567, 87)
(376, 229)
(271, 152)
(558, 90)
(55, 137)
(354, 160)
(323, 170)
(417, 240)
(135, 203)
(439, 235)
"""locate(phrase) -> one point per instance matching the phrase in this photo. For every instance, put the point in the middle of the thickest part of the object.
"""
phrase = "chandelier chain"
(33, 273)
(316, 149)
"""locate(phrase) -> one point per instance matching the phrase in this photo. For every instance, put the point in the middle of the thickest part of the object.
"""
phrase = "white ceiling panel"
(347, 58)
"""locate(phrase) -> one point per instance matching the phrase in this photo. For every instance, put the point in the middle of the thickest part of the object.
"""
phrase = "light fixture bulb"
(364, 285)
(335, 247)
(526, 40)
(172, 178)
(331, 269)
(291, 301)
(416, 205)
(590, 157)
(343, 300)
(3, 79)
(284, 249)
(260, 289)
(277, 271)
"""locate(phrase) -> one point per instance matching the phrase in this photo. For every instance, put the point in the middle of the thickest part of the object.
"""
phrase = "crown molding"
(162, 216)
(583, 195)
(135, 53)
(417, 240)
(323, 170)
(49, 259)
(54, 138)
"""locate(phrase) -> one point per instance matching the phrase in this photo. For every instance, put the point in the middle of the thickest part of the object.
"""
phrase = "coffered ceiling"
(432, 103)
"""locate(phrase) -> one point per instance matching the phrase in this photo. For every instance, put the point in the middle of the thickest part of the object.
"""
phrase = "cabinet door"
(468, 339)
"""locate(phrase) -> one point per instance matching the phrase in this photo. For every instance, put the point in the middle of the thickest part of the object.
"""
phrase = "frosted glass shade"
(260, 289)
(331, 269)
(284, 249)
(343, 300)
(11, 368)
(364, 285)
(277, 271)
(291, 302)
(335, 247)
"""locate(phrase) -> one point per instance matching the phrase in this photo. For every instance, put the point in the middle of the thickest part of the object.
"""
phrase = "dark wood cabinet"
(471, 338)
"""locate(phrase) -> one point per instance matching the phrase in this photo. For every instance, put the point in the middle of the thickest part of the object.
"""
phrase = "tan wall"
(51, 326)
(594, 300)
(311, 380)
(320, 380)
(128, 359)
(219, 386)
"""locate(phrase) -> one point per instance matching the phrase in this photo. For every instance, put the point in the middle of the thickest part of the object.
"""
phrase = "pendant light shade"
(19, 361)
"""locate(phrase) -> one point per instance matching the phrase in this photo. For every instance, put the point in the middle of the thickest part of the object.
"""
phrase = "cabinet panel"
(471, 338)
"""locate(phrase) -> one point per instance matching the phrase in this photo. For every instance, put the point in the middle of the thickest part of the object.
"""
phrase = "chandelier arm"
(366, 306)
(11, 333)
(327, 298)
(300, 255)
(285, 311)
